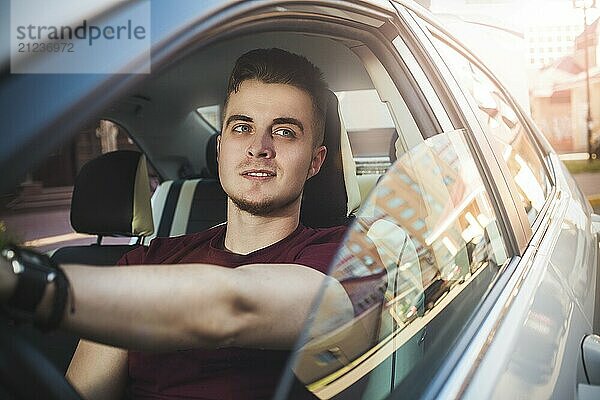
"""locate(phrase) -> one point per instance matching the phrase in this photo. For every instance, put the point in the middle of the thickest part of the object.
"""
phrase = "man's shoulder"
(330, 234)
(196, 237)
(162, 247)
(316, 247)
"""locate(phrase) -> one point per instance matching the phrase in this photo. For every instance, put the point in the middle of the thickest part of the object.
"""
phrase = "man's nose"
(261, 146)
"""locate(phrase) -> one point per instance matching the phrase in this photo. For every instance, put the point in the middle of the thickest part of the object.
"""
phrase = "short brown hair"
(280, 66)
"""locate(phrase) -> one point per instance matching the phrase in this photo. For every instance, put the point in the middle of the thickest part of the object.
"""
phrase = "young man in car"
(213, 321)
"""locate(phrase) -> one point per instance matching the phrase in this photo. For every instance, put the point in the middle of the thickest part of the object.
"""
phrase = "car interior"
(162, 117)
(428, 163)
(173, 117)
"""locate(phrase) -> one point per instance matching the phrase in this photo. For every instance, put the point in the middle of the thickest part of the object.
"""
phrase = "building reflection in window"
(407, 255)
(502, 125)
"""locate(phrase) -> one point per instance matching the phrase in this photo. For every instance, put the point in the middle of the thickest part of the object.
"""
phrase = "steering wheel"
(25, 373)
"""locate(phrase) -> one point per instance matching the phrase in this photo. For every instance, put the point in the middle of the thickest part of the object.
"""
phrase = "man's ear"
(317, 161)
(218, 146)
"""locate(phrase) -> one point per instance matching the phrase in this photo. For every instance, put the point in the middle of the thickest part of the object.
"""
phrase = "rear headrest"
(111, 196)
(332, 195)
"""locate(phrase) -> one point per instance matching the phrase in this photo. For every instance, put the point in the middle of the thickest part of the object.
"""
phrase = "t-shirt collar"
(217, 243)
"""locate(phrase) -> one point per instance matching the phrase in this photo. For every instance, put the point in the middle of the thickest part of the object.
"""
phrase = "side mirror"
(590, 355)
(590, 348)
(595, 224)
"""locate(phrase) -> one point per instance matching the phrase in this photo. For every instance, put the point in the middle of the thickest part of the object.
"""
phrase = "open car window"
(37, 212)
(418, 259)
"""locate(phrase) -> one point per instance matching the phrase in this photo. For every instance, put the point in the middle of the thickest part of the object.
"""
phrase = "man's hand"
(8, 281)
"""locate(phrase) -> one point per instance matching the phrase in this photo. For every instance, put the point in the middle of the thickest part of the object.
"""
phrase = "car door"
(533, 348)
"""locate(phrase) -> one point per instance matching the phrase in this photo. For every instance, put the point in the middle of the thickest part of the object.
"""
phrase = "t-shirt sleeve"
(134, 257)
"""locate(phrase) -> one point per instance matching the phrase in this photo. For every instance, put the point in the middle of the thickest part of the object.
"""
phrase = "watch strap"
(31, 285)
(61, 296)
(34, 272)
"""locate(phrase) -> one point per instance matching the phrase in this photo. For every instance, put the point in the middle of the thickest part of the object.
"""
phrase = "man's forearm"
(147, 307)
(169, 307)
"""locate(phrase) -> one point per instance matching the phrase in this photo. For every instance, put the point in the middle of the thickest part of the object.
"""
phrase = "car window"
(370, 128)
(415, 263)
(49, 186)
(501, 122)
(211, 115)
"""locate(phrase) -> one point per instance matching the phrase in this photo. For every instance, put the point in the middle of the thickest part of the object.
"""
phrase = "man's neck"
(247, 233)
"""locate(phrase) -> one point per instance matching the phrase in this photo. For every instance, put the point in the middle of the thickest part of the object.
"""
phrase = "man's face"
(266, 150)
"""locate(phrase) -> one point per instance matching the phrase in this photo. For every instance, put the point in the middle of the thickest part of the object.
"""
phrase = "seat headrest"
(111, 196)
(332, 196)
(212, 167)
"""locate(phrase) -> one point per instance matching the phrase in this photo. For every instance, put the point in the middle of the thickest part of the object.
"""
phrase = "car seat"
(111, 197)
(332, 196)
(190, 205)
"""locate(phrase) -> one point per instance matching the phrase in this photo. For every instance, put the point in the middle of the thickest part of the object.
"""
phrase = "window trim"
(425, 85)
(411, 37)
(490, 170)
(541, 150)
(529, 228)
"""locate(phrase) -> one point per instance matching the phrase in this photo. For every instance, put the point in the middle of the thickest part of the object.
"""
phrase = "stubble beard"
(268, 206)
(264, 207)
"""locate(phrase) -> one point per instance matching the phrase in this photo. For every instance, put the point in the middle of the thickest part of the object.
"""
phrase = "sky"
(520, 14)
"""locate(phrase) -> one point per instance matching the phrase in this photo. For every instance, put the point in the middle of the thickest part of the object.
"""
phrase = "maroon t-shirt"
(230, 373)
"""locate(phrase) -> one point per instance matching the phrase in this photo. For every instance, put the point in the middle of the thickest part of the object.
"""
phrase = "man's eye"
(284, 132)
(241, 128)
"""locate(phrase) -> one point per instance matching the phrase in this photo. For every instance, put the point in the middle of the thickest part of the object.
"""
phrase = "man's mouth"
(261, 173)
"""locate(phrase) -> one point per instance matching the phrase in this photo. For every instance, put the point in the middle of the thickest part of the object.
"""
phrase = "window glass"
(370, 129)
(502, 125)
(415, 263)
(37, 212)
(212, 115)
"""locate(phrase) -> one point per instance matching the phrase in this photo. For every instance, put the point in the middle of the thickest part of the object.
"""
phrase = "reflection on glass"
(518, 152)
(500, 121)
(406, 257)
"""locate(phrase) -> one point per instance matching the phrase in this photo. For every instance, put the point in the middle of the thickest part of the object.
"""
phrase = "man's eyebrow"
(238, 117)
(289, 120)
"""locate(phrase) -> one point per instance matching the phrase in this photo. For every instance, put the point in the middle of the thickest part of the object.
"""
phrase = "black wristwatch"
(34, 271)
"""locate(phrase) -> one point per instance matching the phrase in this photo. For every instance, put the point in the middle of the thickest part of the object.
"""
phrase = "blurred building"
(551, 107)
(50, 184)
(551, 37)
(550, 42)
(545, 42)
(558, 94)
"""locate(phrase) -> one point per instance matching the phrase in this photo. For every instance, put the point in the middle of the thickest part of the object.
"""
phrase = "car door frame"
(454, 382)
